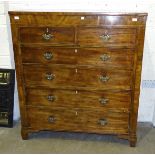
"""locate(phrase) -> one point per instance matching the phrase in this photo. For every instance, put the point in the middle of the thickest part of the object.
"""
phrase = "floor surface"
(63, 142)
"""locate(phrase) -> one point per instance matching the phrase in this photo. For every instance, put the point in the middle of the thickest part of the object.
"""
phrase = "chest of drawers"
(79, 72)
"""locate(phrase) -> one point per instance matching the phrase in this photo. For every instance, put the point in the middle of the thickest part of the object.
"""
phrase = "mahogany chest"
(79, 72)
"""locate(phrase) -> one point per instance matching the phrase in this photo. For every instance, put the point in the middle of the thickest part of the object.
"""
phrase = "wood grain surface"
(77, 77)
(118, 101)
(78, 119)
(79, 71)
(110, 57)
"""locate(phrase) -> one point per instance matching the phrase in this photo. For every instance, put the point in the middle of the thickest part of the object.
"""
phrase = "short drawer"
(74, 76)
(122, 20)
(119, 101)
(77, 120)
(106, 36)
(57, 19)
(52, 35)
(111, 57)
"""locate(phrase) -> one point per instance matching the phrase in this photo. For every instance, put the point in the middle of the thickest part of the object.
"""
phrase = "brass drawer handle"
(105, 57)
(51, 98)
(51, 119)
(105, 37)
(103, 101)
(103, 122)
(49, 76)
(48, 55)
(47, 35)
(104, 78)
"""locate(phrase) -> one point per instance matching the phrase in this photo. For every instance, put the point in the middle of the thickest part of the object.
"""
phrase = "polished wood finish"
(59, 35)
(79, 71)
(64, 76)
(93, 36)
(60, 119)
(74, 19)
(117, 58)
(79, 98)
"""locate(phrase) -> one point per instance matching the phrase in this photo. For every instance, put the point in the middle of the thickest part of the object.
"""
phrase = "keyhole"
(76, 113)
(75, 50)
(76, 92)
(76, 70)
(47, 30)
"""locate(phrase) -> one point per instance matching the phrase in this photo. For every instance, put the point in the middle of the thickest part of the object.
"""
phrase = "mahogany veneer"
(79, 71)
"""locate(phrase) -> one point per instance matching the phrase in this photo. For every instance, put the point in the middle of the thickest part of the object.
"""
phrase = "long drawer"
(87, 19)
(78, 120)
(64, 76)
(92, 36)
(52, 35)
(119, 58)
(78, 98)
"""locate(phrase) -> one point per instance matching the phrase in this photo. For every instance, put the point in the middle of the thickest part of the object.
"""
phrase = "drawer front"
(120, 58)
(108, 122)
(58, 20)
(80, 99)
(78, 120)
(52, 35)
(103, 36)
(62, 76)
